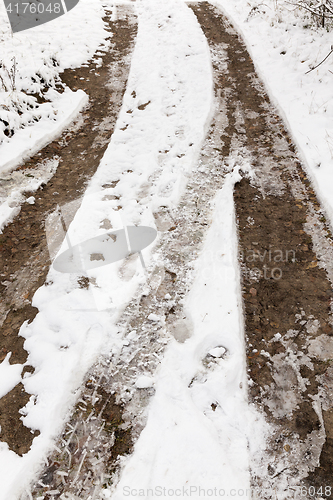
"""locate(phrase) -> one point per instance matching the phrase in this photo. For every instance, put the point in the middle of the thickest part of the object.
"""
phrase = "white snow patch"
(217, 352)
(144, 382)
(154, 317)
(10, 375)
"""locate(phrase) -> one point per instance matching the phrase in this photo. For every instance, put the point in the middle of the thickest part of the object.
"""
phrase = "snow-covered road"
(153, 152)
(199, 429)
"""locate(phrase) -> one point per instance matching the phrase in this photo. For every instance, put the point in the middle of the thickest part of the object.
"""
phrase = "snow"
(154, 317)
(217, 352)
(15, 185)
(144, 382)
(321, 347)
(28, 141)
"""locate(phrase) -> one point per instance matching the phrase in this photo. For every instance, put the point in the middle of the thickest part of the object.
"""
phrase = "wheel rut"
(285, 253)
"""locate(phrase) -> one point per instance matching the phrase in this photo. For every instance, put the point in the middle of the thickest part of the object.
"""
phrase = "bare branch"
(306, 7)
(320, 62)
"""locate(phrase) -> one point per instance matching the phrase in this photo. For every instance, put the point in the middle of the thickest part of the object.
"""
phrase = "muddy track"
(24, 258)
(286, 259)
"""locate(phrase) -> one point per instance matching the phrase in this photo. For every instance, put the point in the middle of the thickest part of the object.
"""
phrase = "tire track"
(24, 259)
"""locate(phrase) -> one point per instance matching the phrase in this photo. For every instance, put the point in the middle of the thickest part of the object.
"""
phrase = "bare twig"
(306, 7)
(320, 62)
(11, 75)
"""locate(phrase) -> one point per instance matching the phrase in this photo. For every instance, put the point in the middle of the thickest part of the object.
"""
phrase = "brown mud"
(286, 291)
(24, 258)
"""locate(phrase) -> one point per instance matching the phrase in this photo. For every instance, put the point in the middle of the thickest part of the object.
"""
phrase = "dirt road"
(286, 257)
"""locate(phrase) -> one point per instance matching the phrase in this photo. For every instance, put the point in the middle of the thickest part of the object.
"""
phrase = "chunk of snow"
(144, 382)
(217, 352)
(154, 317)
(10, 375)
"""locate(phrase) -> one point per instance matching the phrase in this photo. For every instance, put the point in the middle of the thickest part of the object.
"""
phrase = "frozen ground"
(187, 442)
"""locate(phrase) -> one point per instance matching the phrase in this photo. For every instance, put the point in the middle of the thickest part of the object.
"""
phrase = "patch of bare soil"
(286, 259)
(24, 258)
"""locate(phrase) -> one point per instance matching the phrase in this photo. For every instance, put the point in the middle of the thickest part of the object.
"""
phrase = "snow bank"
(29, 140)
(30, 61)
